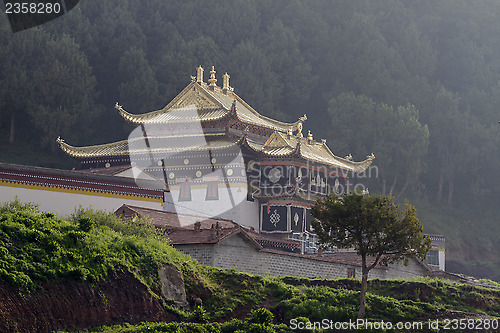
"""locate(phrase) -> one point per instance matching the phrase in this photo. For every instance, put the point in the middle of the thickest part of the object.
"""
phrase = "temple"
(215, 156)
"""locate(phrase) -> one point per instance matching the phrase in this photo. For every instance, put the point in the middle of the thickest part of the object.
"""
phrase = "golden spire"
(309, 135)
(199, 74)
(225, 83)
(212, 79)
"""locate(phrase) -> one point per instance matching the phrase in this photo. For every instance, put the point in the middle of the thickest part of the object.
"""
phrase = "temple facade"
(213, 155)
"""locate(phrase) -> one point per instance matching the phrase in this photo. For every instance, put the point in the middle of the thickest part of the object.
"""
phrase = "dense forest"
(415, 82)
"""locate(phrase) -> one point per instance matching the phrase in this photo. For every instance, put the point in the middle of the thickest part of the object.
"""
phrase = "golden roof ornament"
(309, 135)
(225, 83)
(299, 129)
(199, 74)
(290, 131)
(118, 107)
(212, 79)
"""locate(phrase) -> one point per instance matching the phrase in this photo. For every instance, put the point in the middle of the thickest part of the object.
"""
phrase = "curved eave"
(119, 148)
(264, 121)
(165, 117)
(352, 166)
(318, 153)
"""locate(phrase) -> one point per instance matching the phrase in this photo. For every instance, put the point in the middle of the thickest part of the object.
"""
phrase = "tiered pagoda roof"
(237, 123)
(211, 104)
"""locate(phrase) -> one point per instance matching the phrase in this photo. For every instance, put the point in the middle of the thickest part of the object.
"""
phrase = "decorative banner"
(297, 219)
(274, 218)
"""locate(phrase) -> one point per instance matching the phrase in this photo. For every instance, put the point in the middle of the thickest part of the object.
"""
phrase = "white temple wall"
(232, 204)
(64, 202)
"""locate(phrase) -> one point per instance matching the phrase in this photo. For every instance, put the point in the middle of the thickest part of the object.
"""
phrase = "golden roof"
(200, 102)
(281, 145)
(212, 103)
(169, 144)
(278, 145)
(119, 148)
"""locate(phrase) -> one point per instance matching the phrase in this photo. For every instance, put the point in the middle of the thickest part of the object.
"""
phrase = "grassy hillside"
(38, 249)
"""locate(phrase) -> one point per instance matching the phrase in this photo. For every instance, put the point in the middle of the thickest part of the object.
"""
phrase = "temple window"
(432, 258)
(185, 191)
(212, 191)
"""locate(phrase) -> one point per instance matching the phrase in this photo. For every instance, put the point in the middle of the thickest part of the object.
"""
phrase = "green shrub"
(37, 246)
(261, 316)
(85, 223)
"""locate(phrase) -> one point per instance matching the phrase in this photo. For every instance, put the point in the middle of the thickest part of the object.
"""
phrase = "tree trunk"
(364, 287)
(440, 187)
(12, 128)
(384, 185)
(451, 185)
(394, 183)
(403, 189)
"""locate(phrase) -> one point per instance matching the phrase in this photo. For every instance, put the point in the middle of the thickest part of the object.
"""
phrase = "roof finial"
(212, 79)
(299, 129)
(290, 131)
(309, 135)
(199, 74)
(225, 83)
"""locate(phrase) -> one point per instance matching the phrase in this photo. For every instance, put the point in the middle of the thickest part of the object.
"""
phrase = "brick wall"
(202, 252)
(239, 253)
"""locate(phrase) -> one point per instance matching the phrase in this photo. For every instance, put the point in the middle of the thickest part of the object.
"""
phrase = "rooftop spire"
(309, 136)
(225, 84)
(212, 79)
(199, 74)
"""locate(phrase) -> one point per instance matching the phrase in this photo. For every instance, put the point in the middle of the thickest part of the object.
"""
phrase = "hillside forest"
(417, 83)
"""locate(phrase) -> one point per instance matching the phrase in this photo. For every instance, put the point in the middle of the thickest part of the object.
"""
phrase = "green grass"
(36, 246)
(259, 321)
